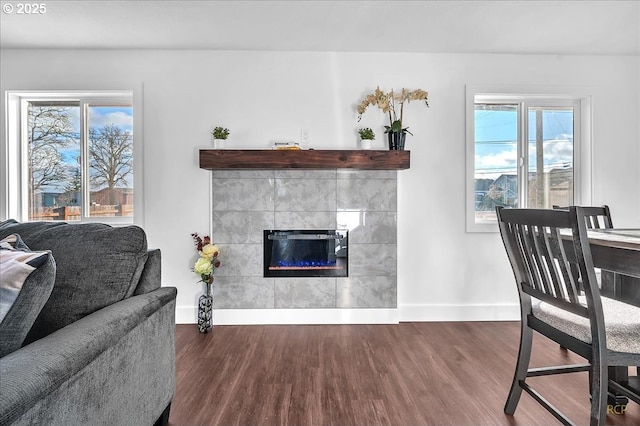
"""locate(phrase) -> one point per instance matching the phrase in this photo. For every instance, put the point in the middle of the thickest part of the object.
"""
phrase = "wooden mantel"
(216, 159)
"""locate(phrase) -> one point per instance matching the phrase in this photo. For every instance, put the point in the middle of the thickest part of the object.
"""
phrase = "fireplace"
(306, 253)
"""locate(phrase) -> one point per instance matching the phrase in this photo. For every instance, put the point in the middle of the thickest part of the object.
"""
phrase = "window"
(74, 154)
(522, 151)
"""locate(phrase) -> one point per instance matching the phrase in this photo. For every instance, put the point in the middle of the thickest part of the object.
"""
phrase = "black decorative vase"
(205, 310)
(396, 141)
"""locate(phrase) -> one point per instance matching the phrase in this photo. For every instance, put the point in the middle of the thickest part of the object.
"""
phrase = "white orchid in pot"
(393, 104)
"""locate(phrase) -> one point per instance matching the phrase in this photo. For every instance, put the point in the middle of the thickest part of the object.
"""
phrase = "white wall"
(443, 272)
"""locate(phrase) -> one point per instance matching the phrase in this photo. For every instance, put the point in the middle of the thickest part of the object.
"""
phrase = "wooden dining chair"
(595, 217)
(598, 218)
(540, 244)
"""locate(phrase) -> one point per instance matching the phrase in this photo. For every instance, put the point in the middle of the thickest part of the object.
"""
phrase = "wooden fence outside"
(71, 213)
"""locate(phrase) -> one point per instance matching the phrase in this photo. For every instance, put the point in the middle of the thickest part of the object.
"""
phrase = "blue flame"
(305, 263)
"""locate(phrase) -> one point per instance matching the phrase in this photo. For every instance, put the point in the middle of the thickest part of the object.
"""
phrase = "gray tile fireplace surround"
(247, 202)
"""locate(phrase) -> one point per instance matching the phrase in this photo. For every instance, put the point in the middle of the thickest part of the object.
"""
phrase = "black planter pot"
(396, 141)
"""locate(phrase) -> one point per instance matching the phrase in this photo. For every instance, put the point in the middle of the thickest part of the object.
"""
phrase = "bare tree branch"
(50, 129)
(110, 156)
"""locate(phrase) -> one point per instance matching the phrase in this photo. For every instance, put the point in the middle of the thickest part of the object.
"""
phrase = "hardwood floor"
(455, 373)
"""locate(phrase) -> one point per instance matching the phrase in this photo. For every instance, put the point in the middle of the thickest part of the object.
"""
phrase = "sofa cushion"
(27, 281)
(150, 278)
(97, 265)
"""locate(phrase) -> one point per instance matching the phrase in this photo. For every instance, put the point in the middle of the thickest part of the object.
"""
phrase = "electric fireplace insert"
(306, 253)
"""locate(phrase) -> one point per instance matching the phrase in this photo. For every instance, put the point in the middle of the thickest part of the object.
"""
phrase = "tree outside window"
(80, 159)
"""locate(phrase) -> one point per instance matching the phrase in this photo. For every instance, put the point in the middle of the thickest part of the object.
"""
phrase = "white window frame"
(13, 166)
(526, 97)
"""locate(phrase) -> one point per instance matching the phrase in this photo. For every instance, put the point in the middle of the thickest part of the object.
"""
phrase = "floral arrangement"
(366, 134)
(389, 103)
(208, 261)
(220, 133)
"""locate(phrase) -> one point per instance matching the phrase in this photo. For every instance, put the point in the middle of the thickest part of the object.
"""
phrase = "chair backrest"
(595, 217)
(540, 244)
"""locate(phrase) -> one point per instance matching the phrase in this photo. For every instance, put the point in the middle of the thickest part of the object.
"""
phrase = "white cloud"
(555, 152)
(501, 159)
(117, 118)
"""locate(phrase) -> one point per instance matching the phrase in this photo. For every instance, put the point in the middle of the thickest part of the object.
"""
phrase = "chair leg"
(522, 365)
(599, 383)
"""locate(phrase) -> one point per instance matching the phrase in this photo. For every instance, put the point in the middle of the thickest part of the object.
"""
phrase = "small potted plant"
(220, 135)
(366, 136)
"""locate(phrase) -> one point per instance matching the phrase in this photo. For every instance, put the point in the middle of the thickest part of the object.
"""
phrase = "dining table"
(616, 251)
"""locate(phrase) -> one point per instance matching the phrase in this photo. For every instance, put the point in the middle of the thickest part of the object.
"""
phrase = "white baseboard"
(432, 313)
(187, 315)
(405, 313)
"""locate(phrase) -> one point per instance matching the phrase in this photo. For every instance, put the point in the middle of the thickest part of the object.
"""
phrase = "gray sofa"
(90, 337)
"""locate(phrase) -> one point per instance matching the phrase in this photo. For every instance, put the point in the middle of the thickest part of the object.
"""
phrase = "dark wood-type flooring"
(454, 373)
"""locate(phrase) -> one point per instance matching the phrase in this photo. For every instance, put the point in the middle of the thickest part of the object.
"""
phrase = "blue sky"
(496, 133)
(120, 116)
(99, 116)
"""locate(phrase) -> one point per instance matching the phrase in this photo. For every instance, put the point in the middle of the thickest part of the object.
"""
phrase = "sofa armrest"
(62, 360)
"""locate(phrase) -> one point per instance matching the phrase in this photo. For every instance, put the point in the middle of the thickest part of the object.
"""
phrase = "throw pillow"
(27, 282)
